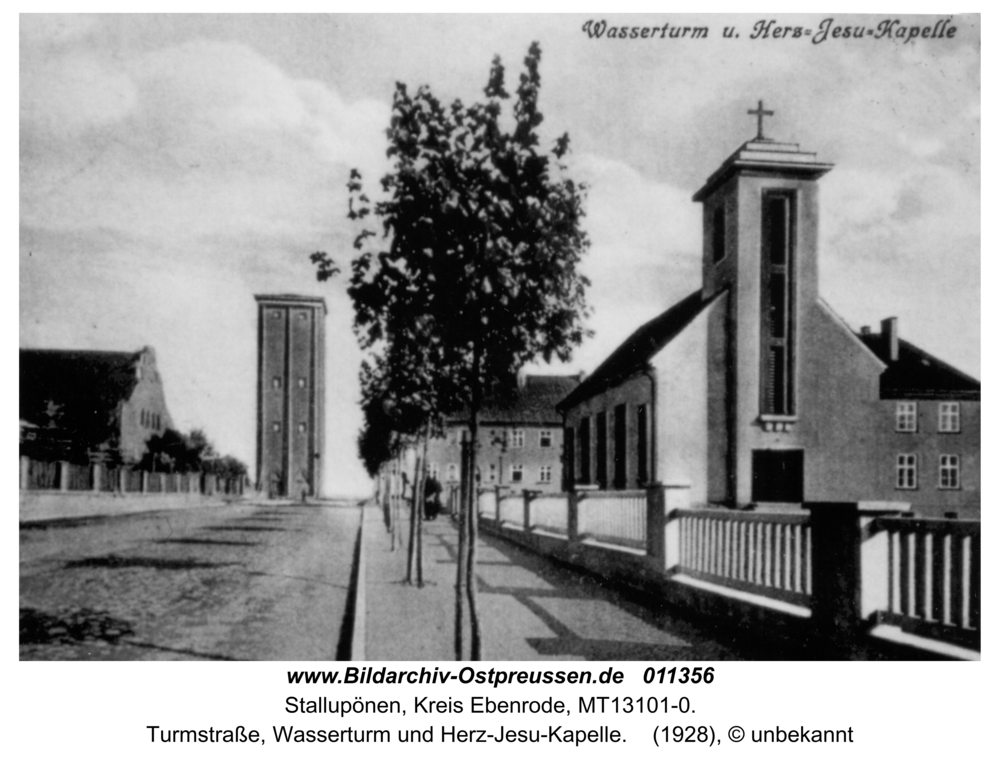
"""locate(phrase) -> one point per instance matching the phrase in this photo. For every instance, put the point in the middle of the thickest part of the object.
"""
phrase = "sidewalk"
(530, 608)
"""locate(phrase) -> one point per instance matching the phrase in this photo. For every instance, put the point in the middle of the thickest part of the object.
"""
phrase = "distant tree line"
(175, 452)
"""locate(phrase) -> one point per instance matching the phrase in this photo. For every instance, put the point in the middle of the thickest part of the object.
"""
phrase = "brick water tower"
(290, 362)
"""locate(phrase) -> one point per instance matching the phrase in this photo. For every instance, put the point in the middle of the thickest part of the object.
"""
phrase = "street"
(243, 581)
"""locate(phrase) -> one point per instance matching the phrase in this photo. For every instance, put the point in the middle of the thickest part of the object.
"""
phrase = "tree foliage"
(467, 264)
(473, 270)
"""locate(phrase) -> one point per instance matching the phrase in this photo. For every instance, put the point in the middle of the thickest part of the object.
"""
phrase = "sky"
(173, 166)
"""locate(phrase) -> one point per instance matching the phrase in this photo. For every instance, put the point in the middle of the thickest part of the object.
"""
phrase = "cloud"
(191, 140)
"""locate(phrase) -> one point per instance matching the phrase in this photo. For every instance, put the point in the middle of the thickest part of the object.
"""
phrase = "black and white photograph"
(646, 337)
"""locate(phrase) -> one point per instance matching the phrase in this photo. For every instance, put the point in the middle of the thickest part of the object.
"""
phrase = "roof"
(917, 374)
(635, 353)
(534, 402)
(764, 157)
(78, 389)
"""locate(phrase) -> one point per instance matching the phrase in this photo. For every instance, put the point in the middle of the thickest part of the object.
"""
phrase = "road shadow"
(249, 529)
(198, 541)
(71, 627)
(131, 562)
(84, 521)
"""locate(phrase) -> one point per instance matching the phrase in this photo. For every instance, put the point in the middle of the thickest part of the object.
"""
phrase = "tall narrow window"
(719, 234)
(642, 453)
(777, 327)
(569, 458)
(621, 466)
(602, 450)
(585, 450)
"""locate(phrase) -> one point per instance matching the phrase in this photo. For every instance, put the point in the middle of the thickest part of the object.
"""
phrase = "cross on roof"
(760, 113)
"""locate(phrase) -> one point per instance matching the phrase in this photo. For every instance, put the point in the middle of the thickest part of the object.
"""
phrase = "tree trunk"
(475, 636)
(463, 541)
(411, 550)
(421, 500)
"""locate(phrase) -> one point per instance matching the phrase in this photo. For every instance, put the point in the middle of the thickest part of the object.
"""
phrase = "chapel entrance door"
(777, 476)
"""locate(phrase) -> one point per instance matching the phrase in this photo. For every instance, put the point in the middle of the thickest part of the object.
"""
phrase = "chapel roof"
(635, 353)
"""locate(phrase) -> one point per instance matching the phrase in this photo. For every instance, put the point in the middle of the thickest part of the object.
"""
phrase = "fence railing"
(511, 509)
(614, 517)
(933, 578)
(765, 553)
(99, 478)
(549, 513)
(844, 566)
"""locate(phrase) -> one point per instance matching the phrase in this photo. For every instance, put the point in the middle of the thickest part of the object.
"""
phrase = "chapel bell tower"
(760, 220)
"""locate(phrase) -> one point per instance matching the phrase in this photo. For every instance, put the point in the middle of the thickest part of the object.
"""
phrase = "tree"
(474, 269)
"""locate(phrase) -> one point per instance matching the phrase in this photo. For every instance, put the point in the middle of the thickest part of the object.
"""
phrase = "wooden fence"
(96, 477)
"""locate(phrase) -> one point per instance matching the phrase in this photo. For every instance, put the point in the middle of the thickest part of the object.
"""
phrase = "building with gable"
(753, 391)
(90, 406)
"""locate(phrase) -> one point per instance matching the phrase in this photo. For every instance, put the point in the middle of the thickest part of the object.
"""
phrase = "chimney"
(866, 330)
(890, 338)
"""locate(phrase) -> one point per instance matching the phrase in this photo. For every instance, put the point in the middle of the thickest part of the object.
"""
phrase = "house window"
(517, 438)
(906, 416)
(545, 438)
(719, 234)
(545, 474)
(641, 436)
(777, 303)
(620, 456)
(517, 474)
(949, 418)
(906, 471)
(276, 382)
(452, 472)
(585, 451)
(949, 472)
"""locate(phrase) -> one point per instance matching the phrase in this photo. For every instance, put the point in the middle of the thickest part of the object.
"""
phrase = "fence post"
(96, 471)
(25, 472)
(527, 510)
(836, 572)
(145, 481)
(656, 526)
(64, 476)
(573, 516)
(676, 497)
(122, 479)
(849, 568)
